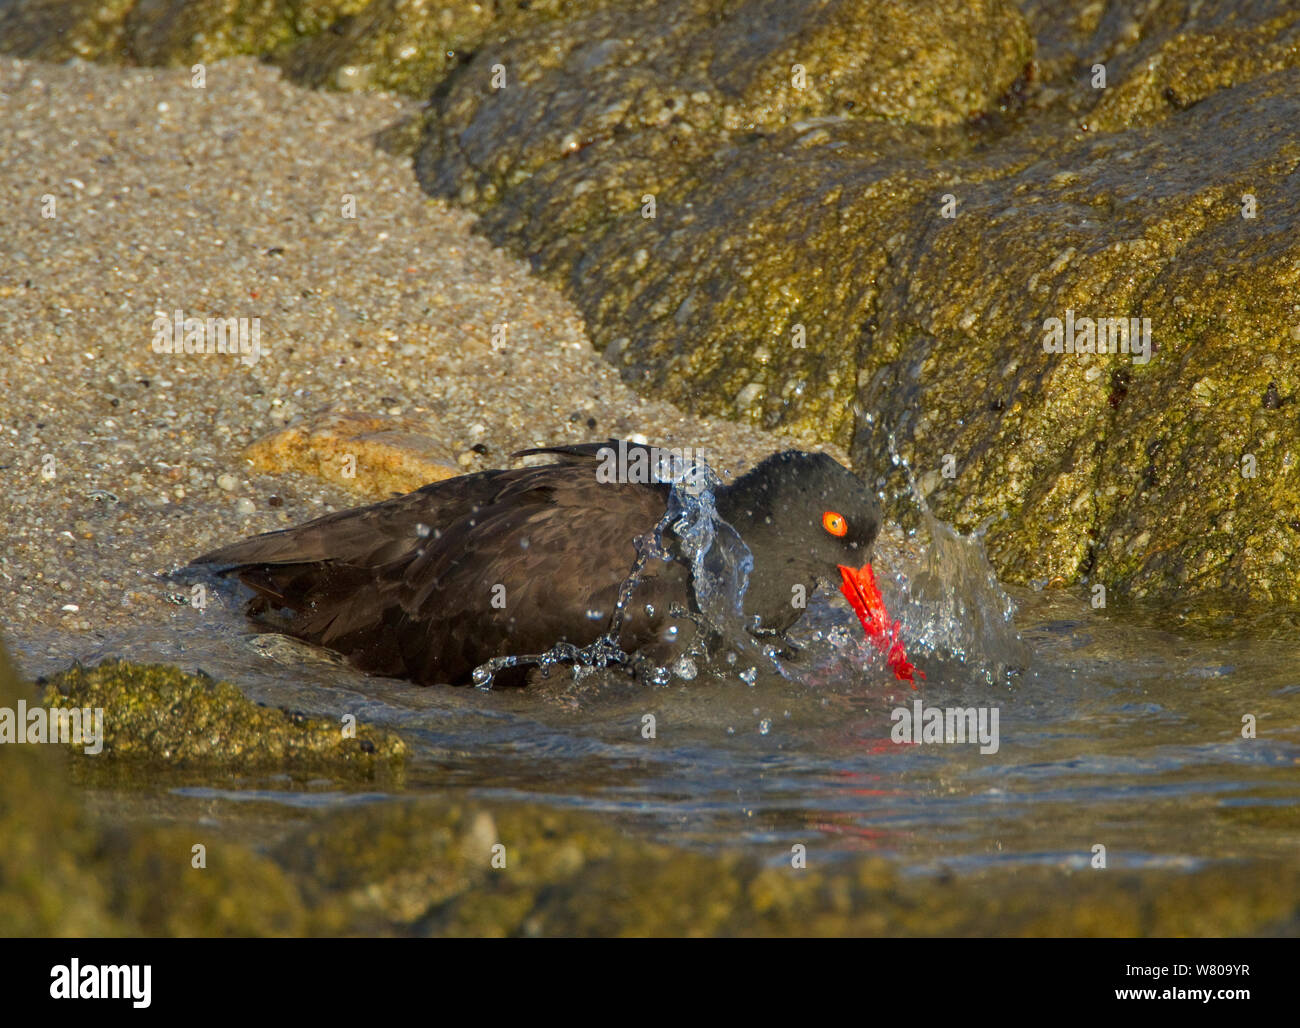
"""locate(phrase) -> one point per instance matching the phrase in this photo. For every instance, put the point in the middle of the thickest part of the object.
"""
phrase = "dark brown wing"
(430, 585)
(578, 453)
(366, 536)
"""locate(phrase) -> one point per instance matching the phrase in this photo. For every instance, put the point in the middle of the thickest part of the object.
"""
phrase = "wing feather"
(432, 584)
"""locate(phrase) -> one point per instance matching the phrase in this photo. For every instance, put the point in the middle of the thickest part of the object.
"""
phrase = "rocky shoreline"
(425, 866)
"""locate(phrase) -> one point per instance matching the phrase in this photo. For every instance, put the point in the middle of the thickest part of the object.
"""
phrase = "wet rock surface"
(342, 44)
(64, 871)
(159, 714)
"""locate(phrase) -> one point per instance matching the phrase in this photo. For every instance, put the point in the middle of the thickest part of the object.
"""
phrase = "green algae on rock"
(62, 30)
(1171, 477)
(402, 45)
(160, 714)
(1158, 59)
(44, 845)
(691, 189)
(64, 873)
(467, 869)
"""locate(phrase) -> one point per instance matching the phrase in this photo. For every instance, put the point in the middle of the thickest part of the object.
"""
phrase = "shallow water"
(1112, 730)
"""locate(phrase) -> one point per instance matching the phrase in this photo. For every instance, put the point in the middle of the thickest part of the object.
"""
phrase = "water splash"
(720, 565)
(957, 621)
(939, 585)
(949, 600)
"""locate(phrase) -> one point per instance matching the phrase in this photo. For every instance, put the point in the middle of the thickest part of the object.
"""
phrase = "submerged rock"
(65, 872)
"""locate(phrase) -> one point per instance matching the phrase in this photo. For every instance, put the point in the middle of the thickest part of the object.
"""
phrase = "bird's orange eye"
(834, 523)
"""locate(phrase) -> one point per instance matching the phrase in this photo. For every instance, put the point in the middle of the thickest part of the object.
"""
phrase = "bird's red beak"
(860, 590)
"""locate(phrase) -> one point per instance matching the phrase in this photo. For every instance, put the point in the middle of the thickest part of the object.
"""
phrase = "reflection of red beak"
(860, 590)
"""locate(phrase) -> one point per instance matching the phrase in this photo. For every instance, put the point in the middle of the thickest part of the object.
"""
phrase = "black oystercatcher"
(431, 585)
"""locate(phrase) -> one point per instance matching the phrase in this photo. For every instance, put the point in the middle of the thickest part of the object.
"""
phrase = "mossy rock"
(155, 713)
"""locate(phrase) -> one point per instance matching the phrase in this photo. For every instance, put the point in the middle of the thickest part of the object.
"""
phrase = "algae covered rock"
(665, 82)
(44, 844)
(705, 177)
(60, 30)
(402, 45)
(1158, 59)
(474, 869)
(64, 872)
(1170, 472)
(158, 713)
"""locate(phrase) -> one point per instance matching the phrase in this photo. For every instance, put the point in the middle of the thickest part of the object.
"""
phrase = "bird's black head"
(802, 515)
